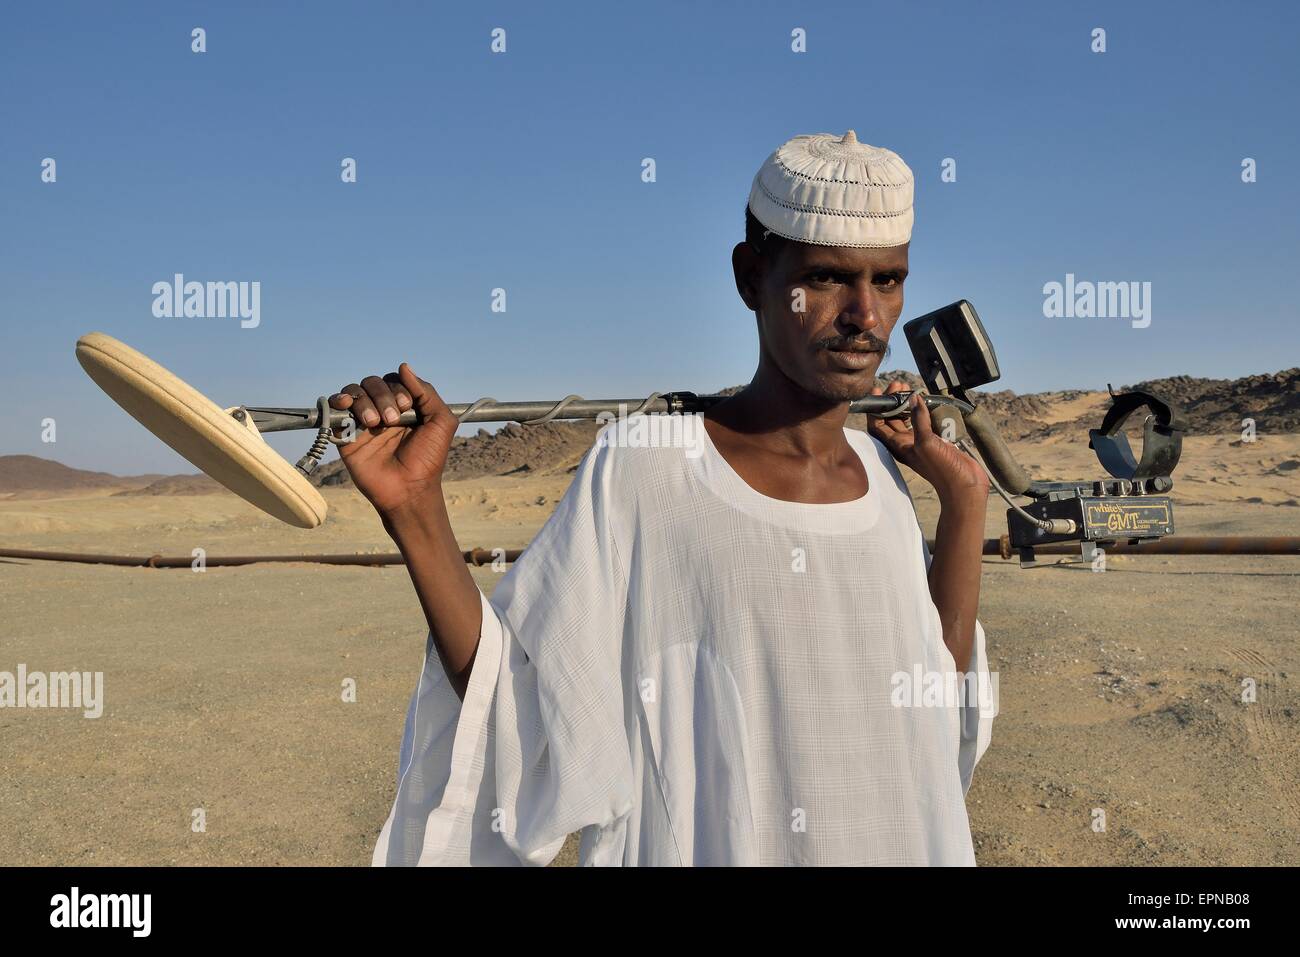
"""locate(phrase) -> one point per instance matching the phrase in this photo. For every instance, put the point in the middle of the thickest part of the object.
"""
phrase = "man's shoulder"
(646, 449)
(868, 445)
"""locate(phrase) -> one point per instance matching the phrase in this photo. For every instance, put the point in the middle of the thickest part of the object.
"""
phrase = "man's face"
(825, 313)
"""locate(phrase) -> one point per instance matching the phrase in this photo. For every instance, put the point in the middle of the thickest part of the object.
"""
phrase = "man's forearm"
(447, 592)
(955, 571)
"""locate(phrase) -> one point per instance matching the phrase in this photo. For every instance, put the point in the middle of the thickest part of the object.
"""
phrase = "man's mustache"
(862, 343)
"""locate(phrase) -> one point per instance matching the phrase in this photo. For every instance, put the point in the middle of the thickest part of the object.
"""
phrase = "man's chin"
(846, 386)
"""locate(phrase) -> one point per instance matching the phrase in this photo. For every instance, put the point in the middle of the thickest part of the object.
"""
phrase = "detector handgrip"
(995, 453)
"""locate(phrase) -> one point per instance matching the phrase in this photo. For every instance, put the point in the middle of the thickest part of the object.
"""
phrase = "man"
(697, 659)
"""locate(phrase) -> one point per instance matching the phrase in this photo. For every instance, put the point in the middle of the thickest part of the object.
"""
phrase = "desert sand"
(1120, 691)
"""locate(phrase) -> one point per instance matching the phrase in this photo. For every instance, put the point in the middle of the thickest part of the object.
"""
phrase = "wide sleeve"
(979, 706)
(538, 748)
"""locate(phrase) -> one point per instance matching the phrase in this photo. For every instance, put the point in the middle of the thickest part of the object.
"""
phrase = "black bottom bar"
(933, 909)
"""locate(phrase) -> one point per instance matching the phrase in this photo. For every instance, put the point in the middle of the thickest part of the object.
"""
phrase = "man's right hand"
(393, 466)
(399, 470)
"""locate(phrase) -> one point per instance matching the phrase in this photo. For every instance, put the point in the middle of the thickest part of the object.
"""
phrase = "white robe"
(690, 672)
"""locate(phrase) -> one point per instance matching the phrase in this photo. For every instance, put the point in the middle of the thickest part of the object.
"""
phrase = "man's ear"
(747, 266)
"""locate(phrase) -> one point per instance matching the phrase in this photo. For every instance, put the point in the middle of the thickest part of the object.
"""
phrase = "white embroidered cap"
(834, 191)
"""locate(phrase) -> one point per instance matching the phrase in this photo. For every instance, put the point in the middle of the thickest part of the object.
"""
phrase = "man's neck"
(775, 413)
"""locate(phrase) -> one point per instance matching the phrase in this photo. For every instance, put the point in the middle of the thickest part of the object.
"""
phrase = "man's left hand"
(955, 475)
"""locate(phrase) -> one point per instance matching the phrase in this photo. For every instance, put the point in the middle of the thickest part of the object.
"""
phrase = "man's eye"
(888, 282)
(824, 277)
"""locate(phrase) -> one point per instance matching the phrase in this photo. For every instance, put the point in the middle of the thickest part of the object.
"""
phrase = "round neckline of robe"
(855, 515)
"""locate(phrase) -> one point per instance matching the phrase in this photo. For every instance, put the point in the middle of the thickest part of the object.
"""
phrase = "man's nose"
(863, 313)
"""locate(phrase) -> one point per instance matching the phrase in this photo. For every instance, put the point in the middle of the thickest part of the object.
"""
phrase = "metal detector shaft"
(573, 407)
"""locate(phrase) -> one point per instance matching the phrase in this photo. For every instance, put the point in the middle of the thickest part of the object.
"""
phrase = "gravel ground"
(1120, 692)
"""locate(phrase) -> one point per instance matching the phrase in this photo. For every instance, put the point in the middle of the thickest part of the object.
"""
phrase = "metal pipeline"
(1174, 545)
(475, 556)
(1171, 545)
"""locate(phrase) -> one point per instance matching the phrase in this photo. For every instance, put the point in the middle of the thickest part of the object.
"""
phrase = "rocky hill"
(33, 474)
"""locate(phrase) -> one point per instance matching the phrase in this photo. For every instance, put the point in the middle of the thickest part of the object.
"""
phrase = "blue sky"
(523, 171)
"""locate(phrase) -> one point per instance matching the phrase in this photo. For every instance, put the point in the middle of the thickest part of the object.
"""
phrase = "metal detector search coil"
(208, 437)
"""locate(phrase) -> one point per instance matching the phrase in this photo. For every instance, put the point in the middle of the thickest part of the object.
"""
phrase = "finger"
(891, 440)
(886, 425)
(363, 410)
(382, 397)
(352, 398)
(345, 397)
(884, 429)
(400, 395)
(898, 424)
(921, 416)
(427, 401)
(427, 444)
(895, 387)
(878, 428)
